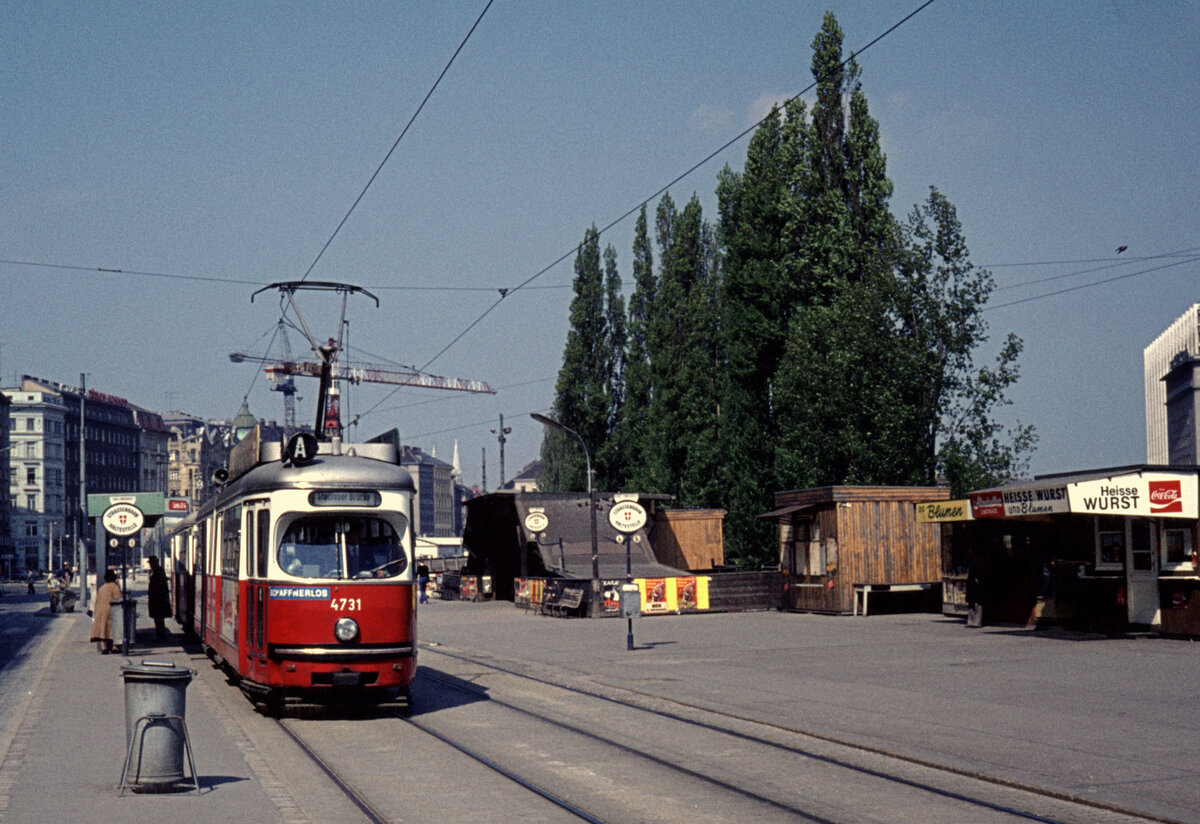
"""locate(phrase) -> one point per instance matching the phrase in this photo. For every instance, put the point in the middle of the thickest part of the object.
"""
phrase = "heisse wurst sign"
(1148, 495)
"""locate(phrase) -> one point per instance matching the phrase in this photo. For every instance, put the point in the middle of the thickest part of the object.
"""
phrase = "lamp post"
(597, 604)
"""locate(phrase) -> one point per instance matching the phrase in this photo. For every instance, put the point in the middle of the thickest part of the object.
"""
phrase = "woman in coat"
(102, 624)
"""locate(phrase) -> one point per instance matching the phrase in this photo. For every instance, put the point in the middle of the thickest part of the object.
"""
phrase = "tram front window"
(340, 546)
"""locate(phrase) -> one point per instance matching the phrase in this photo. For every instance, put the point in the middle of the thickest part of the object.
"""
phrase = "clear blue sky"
(223, 142)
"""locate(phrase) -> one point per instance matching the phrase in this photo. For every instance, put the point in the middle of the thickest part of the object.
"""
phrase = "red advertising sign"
(987, 504)
(1165, 496)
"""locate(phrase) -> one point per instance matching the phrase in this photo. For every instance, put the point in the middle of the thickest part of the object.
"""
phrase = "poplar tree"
(611, 466)
(754, 304)
(844, 394)
(632, 432)
(682, 339)
(582, 400)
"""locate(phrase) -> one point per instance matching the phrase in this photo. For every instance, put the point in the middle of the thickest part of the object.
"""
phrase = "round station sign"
(122, 519)
(536, 521)
(627, 516)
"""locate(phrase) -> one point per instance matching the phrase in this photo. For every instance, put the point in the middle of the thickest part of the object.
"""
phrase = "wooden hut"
(689, 539)
(841, 546)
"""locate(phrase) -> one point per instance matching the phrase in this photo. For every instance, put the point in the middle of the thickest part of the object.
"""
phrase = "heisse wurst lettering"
(1018, 496)
(1113, 499)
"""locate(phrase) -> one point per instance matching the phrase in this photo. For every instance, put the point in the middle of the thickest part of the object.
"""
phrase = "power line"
(1110, 263)
(108, 271)
(1093, 283)
(411, 120)
(523, 284)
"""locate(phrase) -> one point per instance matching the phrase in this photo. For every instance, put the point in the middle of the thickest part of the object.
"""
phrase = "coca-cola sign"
(1165, 496)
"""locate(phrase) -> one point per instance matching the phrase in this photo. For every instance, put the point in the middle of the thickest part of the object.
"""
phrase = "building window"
(806, 555)
(31, 474)
(1110, 542)
(1177, 549)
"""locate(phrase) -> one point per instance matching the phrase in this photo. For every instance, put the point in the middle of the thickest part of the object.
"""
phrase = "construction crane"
(284, 383)
(328, 368)
(361, 373)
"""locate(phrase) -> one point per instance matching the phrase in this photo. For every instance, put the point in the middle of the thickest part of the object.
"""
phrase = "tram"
(297, 576)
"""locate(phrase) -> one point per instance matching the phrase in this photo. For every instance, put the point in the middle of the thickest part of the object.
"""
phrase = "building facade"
(37, 476)
(435, 504)
(196, 449)
(44, 474)
(7, 554)
(1158, 359)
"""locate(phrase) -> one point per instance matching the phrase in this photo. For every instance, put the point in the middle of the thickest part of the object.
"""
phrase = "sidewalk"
(62, 736)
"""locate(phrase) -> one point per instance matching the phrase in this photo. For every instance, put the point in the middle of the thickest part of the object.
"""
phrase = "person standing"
(422, 583)
(159, 598)
(102, 623)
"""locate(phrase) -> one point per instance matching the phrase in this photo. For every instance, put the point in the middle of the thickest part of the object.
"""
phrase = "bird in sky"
(1121, 249)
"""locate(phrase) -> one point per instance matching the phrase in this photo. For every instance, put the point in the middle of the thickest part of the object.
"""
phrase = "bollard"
(155, 729)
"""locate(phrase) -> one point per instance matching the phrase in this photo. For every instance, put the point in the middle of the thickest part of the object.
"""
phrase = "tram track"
(723, 723)
(596, 753)
(560, 746)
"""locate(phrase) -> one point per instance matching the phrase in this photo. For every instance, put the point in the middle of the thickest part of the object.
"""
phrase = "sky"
(208, 149)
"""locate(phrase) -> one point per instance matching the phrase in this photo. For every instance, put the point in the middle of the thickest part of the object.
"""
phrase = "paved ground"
(1108, 719)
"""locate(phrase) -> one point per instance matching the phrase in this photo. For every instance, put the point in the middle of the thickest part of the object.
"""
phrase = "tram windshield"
(341, 546)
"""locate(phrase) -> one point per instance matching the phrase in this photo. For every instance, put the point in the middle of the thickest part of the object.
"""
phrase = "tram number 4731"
(346, 604)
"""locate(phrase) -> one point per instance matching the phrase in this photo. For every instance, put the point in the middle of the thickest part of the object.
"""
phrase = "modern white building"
(1180, 338)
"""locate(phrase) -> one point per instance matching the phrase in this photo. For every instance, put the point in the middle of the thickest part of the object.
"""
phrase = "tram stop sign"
(122, 519)
(627, 516)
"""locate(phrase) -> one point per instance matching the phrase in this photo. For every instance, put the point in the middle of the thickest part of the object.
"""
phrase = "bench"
(866, 589)
(568, 601)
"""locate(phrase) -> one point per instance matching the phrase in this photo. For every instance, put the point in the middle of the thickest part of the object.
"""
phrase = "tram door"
(1141, 572)
(258, 535)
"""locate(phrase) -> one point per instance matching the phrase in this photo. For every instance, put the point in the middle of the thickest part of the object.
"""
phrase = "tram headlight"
(346, 630)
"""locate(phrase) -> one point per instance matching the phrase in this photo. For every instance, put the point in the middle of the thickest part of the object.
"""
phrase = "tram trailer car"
(297, 577)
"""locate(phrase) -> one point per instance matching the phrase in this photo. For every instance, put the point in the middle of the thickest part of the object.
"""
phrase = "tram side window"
(340, 546)
(263, 548)
(231, 541)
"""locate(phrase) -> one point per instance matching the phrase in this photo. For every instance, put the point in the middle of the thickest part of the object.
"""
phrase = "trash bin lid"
(149, 670)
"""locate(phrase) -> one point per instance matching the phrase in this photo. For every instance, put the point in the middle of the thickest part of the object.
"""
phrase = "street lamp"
(597, 604)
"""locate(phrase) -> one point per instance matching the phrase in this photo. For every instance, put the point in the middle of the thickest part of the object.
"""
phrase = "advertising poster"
(468, 588)
(654, 595)
(611, 591)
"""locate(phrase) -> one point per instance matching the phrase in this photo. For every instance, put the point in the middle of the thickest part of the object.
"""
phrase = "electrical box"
(631, 601)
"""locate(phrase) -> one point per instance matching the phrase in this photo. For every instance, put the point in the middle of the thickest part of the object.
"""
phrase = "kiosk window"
(1177, 547)
(1110, 542)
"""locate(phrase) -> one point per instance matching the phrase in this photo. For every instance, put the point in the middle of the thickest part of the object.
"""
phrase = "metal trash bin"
(155, 730)
(124, 618)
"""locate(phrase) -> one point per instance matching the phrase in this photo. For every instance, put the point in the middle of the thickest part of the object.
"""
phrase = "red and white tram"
(298, 576)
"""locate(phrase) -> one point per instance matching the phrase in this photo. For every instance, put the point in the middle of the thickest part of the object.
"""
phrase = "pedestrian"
(29, 583)
(422, 582)
(102, 623)
(974, 590)
(159, 598)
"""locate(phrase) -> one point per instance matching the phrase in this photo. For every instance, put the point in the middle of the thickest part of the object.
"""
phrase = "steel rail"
(1009, 784)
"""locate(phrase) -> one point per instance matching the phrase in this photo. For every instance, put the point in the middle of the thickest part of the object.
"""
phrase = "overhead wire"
(1091, 284)
(403, 132)
(504, 293)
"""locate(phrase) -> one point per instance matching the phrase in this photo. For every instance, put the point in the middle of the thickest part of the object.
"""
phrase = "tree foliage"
(809, 339)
